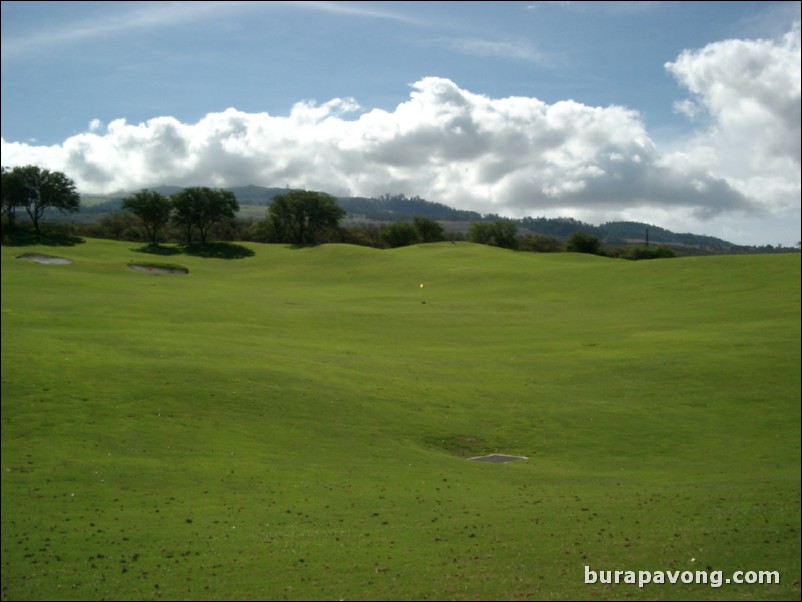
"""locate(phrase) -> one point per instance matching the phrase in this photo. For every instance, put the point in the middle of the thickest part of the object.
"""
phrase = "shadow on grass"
(218, 250)
(23, 238)
(158, 250)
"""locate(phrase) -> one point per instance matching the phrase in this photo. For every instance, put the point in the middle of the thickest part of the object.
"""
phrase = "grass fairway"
(294, 425)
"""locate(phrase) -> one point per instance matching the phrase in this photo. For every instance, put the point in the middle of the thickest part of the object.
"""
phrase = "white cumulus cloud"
(513, 156)
(750, 89)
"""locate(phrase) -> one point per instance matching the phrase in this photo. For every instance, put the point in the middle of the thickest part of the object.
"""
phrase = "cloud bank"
(751, 91)
(513, 156)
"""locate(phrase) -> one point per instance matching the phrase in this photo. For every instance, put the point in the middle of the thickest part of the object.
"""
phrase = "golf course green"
(296, 424)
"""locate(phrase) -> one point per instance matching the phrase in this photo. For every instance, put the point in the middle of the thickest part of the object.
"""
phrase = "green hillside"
(295, 424)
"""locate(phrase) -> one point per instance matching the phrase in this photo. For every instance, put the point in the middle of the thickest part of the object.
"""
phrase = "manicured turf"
(294, 425)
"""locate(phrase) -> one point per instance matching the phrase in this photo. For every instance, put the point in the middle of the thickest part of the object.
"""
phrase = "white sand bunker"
(497, 458)
(153, 269)
(49, 259)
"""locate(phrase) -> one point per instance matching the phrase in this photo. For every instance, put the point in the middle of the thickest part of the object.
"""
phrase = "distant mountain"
(166, 190)
(557, 227)
(256, 195)
(628, 232)
(246, 195)
(399, 208)
(621, 233)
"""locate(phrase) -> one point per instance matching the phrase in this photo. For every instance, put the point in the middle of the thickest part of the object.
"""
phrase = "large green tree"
(500, 233)
(428, 230)
(200, 207)
(6, 186)
(583, 242)
(37, 190)
(400, 234)
(301, 217)
(153, 208)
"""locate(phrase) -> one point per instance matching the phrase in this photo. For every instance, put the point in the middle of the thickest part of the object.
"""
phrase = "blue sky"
(685, 115)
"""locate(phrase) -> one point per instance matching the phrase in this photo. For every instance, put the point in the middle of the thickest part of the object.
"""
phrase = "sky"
(684, 115)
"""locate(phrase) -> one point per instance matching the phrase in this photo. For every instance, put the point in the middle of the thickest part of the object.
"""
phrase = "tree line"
(298, 217)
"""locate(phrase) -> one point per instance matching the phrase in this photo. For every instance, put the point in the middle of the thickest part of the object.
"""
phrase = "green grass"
(293, 425)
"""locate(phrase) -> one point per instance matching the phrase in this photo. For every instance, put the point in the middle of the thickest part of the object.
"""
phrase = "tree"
(428, 230)
(401, 234)
(7, 183)
(366, 235)
(539, 243)
(582, 242)
(153, 208)
(504, 233)
(300, 217)
(500, 233)
(645, 252)
(119, 225)
(200, 207)
(37, 190)
(481, 233)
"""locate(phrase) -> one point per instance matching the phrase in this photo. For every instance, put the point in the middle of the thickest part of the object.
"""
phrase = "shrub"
(582, 242)
(400, 235)
(539, 243)
(499, 233)
(642, 252)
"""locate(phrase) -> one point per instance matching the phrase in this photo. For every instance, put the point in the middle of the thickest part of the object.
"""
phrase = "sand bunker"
(49, 259)
(497, 458)
(152, 269)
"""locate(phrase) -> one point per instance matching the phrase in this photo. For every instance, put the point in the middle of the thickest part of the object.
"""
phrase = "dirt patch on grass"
(47, 259)
(158, 269)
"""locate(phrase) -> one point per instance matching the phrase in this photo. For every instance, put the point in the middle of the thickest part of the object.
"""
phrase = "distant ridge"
(399, 208)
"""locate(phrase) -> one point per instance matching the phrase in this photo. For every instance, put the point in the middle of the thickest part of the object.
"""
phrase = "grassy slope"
(292, 425)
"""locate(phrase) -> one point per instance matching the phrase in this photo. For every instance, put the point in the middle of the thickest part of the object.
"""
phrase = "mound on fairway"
(46, 259)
